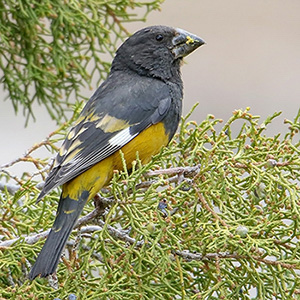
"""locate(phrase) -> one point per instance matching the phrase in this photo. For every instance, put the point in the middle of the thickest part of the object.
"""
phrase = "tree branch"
(100, 204)
(209, 256)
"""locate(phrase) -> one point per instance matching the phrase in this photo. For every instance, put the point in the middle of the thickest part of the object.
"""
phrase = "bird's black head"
(156, 51)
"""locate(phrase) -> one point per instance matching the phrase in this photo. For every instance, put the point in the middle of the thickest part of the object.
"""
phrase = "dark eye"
(159, 37)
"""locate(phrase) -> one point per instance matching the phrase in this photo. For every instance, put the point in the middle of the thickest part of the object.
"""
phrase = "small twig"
(208, 256)
(116, 20)
(180, 174)
(208, 208)
(19, 181)
(46, 168)
(277, 164)
(145, 184)
(32, 239)
(121, 235)
(98, 211)
(27, 156)
(186, 171)
(117, 233)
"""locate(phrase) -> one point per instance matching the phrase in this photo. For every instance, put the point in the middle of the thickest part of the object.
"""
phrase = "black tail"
(67, 214)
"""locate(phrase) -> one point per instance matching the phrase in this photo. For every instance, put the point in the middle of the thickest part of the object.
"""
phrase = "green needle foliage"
(51, 49)
(230, 230)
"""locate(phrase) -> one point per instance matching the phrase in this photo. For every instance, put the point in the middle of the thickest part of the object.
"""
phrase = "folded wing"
(108, 122)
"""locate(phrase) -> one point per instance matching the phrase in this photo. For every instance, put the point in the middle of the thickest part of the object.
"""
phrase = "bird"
(136, 110)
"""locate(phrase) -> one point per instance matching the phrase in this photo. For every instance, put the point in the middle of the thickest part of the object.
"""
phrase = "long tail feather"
(67, 214)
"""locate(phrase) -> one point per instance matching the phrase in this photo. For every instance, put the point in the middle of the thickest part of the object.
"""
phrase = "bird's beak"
(184, 43)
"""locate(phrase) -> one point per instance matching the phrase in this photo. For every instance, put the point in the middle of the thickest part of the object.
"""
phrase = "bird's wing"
(113, 116)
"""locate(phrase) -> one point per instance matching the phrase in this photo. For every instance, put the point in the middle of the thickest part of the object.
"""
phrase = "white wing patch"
(122, 138)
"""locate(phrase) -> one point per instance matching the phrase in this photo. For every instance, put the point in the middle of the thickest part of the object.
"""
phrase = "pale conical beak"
(185, 43)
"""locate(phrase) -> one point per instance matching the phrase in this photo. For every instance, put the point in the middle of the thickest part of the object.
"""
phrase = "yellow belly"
(147, 143)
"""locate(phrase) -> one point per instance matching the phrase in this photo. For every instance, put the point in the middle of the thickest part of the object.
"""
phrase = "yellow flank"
(147, 143)
(111, 124)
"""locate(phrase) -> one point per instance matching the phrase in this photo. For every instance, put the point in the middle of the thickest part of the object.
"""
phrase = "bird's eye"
(159, 37)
